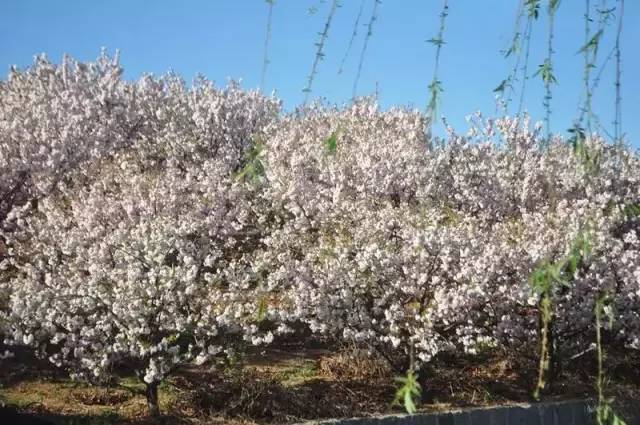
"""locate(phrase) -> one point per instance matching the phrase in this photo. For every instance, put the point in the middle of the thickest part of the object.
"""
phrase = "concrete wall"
(579, 412)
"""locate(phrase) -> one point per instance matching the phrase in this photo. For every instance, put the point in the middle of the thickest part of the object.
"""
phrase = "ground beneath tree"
(295, 383)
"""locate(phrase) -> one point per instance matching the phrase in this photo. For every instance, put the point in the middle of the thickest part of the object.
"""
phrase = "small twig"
(582, 353)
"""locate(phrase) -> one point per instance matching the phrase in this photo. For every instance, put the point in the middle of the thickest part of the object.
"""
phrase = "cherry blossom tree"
(140, 255)
(415, 251)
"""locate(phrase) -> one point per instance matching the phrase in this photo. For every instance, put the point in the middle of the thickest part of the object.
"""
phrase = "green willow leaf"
(409, 389)
(331, 143)
(501, 88)
(592, 44)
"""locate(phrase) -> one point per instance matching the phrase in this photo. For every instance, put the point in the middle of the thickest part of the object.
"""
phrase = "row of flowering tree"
(151, 224)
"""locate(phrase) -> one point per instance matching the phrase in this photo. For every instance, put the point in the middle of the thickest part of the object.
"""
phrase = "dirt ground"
(291, 384)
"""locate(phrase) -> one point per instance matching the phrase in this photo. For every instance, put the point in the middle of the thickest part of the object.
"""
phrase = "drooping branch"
(617, 124)
(267, 39)
(525, 67)
(374, 17)
(587, 67)
(546, 70)
(354, 34)
(319, 52)
(514, 49)
(435, 87)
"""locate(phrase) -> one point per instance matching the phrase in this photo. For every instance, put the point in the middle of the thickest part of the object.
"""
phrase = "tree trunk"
(555, 365)
(151, 392)
(548, 366)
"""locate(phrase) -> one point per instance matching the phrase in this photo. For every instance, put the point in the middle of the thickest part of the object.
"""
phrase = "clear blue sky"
(224, 39)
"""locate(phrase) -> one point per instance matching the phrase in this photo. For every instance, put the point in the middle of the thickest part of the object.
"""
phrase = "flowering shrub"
(361, 253)
(418, 250)
(141, 254)
(151, 224)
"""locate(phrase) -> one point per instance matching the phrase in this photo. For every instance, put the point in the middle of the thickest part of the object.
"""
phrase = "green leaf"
(545, 70)
(533, 8)
(554, 270)
(617, 420)
(408, 403)
(435, 88)
(253, 169)
(631, 210)
(501, 87)
(515, 46)
(436, 41)
(592, 44)
(409, 389)
(331, 143)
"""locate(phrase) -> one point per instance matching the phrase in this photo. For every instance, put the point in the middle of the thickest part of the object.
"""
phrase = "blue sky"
(224, 39)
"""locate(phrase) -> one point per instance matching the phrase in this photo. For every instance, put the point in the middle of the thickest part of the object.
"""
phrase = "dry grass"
(82, 403)
(355, 364)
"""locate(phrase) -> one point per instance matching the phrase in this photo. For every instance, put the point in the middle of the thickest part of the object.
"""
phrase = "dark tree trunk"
(151, 392)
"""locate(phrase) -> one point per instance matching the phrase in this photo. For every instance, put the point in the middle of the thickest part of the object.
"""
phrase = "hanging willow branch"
(533, 11)
(435, 87)
(319, 53)
(587, 65)
(267, 38)
(525, 68)
(546, 69)
(514, 49)
(590, 52)
(354, 34)
(372, 20)
(617, 123)
(577, 130)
